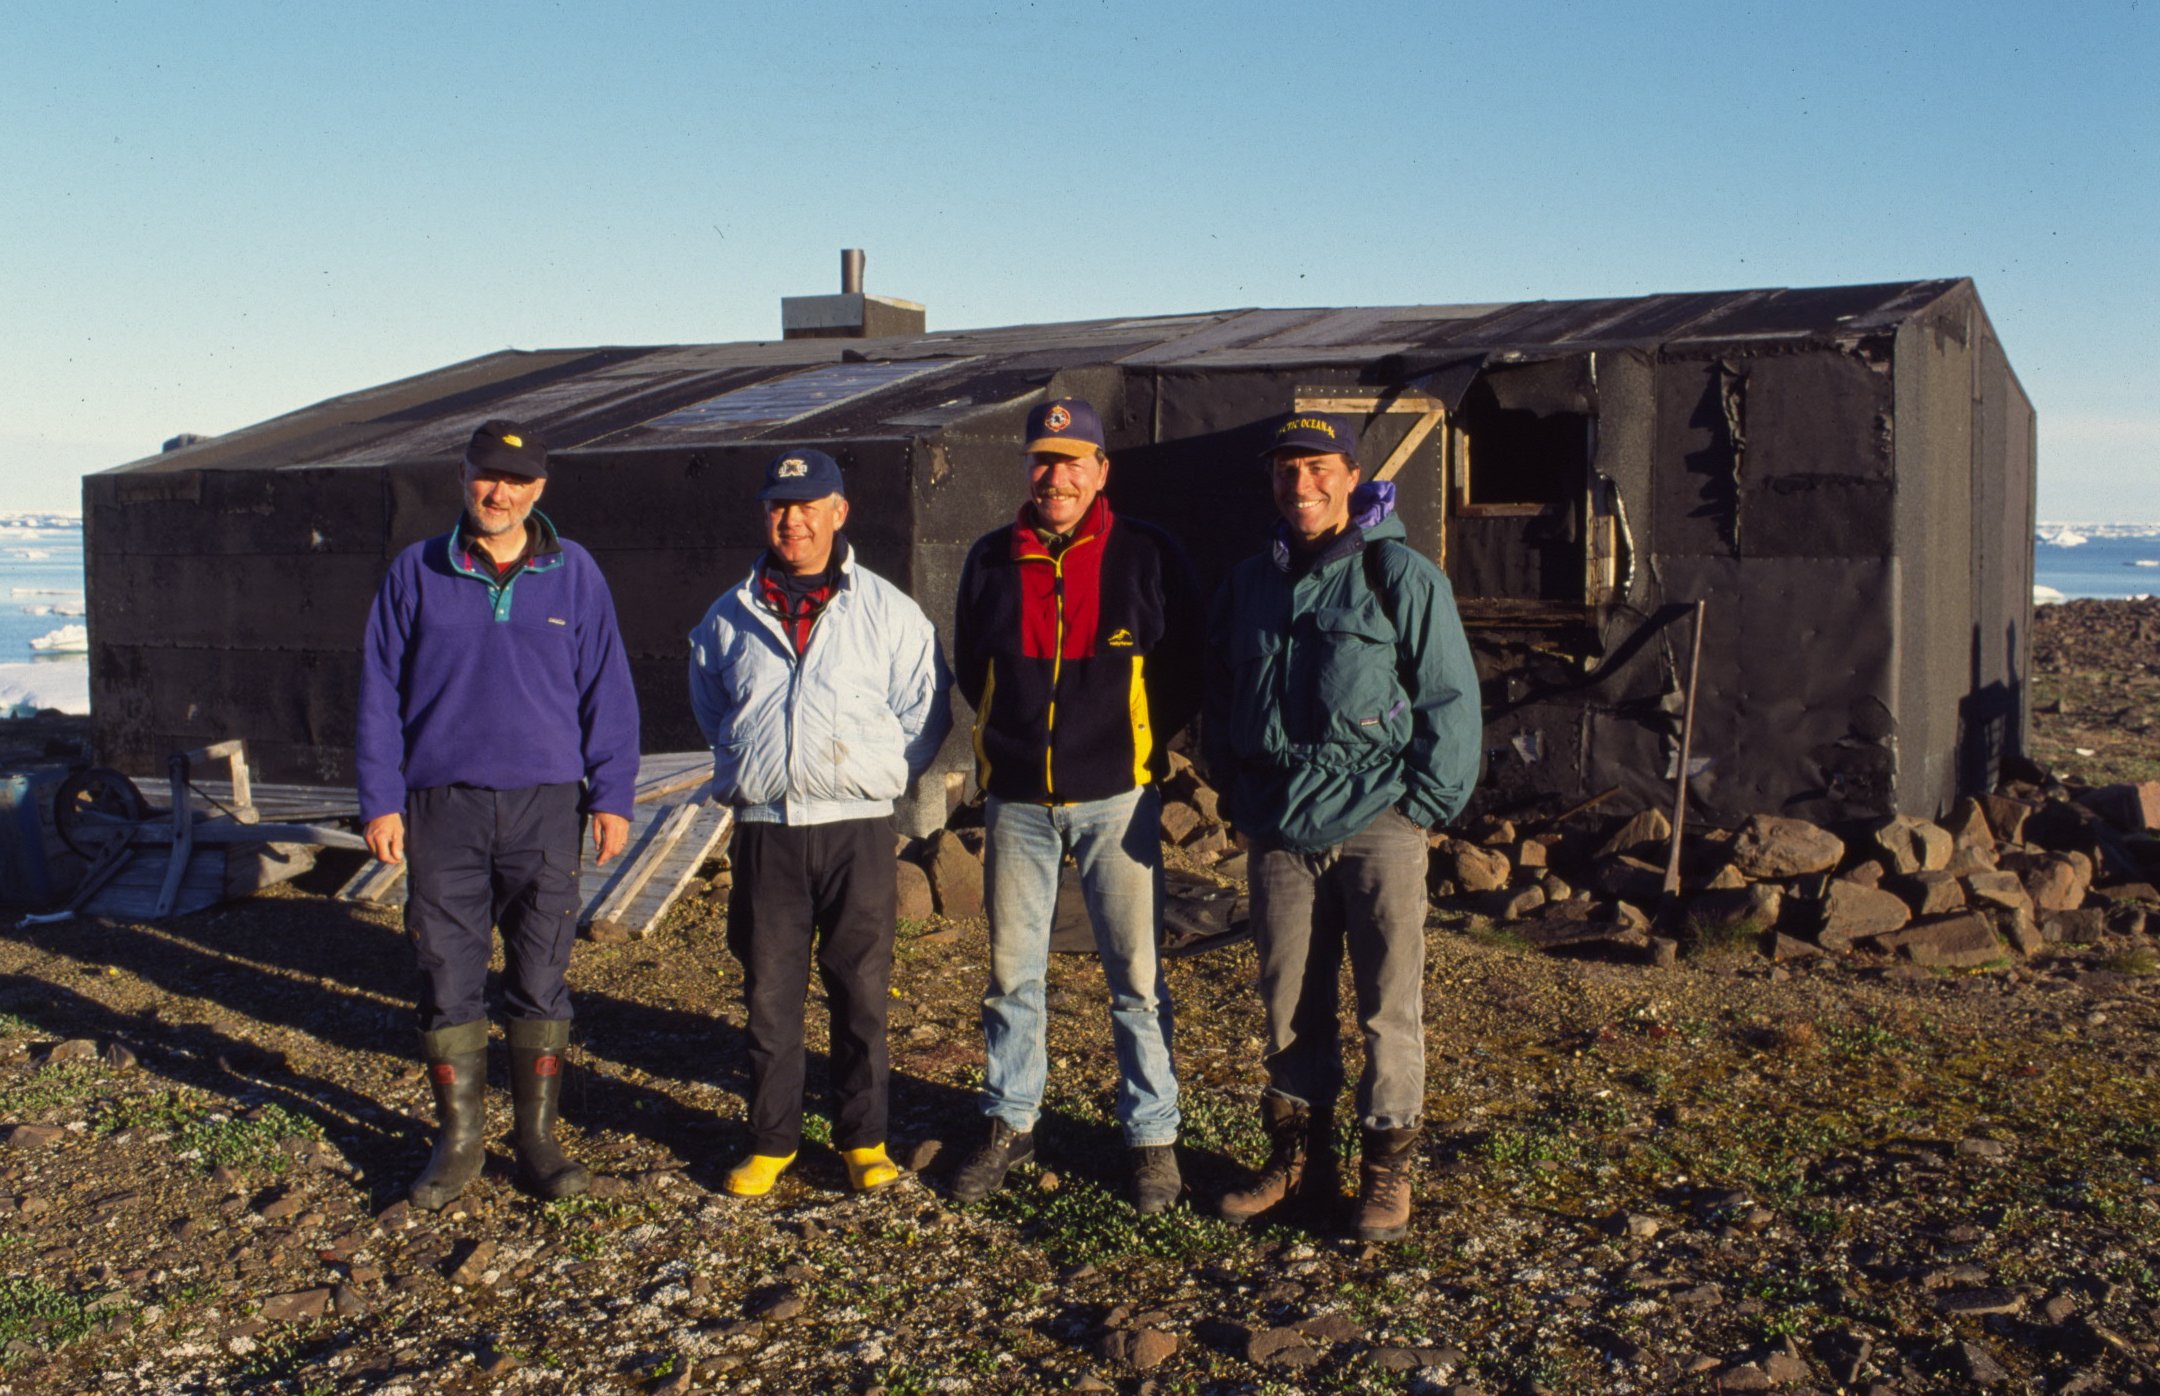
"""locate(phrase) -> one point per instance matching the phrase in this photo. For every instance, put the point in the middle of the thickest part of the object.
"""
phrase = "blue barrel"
(35, 866)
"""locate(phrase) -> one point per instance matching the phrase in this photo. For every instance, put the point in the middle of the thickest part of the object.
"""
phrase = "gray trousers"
(1367, 895)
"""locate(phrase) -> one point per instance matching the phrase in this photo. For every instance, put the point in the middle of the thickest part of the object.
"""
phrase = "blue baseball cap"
(1312, 432)
(802, 474)
(1064, 426)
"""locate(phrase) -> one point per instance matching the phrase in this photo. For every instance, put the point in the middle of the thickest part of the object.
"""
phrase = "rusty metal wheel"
(94, 806)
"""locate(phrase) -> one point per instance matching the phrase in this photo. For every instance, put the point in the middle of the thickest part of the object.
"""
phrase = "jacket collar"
(546, 546)
(1370, 505)
(1093, 525)
(843, 575)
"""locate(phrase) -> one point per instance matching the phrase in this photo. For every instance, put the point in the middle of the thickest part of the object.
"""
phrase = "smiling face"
(497, 505)
(800, 531)
(1312, 492)
(1062, 488)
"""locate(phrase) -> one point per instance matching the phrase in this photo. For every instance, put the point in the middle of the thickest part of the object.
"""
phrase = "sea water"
(2103, 560)
(43, 659)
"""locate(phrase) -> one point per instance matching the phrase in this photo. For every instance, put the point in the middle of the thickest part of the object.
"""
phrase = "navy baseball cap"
(800, 475)
(1312, 432)
(1065, 426)
(509, 448)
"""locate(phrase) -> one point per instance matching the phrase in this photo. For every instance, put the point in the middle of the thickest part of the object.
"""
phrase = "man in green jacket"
(1342, 724)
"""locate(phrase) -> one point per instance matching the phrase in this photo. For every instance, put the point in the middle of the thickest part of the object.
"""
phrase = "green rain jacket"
(1327, 703)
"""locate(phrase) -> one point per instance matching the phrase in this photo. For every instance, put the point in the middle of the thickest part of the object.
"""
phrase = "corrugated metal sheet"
(634, 396)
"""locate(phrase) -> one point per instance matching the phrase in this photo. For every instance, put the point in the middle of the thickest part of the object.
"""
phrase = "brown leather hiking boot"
(1300, 1164)
(1383, 1195)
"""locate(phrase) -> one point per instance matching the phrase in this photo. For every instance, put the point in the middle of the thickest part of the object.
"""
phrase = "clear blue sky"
(214, 213)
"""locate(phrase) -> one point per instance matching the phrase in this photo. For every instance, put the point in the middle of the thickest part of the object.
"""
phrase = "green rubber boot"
(457, 1067)
(536, 1064)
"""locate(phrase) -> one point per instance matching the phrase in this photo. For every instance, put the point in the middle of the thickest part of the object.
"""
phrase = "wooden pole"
(1687, 740)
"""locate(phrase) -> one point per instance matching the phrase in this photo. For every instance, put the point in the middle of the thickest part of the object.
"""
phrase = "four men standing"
(1342, 723)
(495, 709)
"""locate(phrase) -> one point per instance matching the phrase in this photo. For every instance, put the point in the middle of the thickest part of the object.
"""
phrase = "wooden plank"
(1517, 611)
(375, 884)
(183, 846)
(286, 803)
(667, 773)
(660, 775)
(1412, 439)
(225, 831)
(606, 919)
(596, 882)
(1367, 403)
(674, 873)
(111, 861)
(137, 892)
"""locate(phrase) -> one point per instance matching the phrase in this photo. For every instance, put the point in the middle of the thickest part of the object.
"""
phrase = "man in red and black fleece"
(1078, 638)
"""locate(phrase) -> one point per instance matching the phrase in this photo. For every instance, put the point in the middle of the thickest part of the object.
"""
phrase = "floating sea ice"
(29, 685)
(68, 639)
(2044, 595)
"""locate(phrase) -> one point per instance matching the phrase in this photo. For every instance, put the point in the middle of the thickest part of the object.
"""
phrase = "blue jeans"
(1117, 845)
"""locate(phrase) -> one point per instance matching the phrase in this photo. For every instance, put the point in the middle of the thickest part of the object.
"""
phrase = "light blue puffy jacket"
(835, 734)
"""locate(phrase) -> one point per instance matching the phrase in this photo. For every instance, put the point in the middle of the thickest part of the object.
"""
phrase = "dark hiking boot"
(1300, 1167)
(1155, 1180)
(536, 1063)
(1383, 1198)
(985, 1169)
(457, 1067)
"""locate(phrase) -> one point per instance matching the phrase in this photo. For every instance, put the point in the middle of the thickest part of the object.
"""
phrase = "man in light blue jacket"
(823, 693)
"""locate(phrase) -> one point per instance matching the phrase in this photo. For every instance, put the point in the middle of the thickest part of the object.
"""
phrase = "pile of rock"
(943, 873)
(2005, 874)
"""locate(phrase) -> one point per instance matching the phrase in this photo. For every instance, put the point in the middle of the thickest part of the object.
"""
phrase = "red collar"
(1093, 525)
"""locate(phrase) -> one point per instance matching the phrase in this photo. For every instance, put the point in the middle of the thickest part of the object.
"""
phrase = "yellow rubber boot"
(755, 1175)
(869, 1169)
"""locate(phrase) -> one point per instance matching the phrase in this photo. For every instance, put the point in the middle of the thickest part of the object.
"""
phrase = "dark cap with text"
(1311, 433)
(1065, 426)
(799, 475)
(507, 448)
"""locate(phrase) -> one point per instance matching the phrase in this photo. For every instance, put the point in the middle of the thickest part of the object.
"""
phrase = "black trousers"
(826, 889)
(479, 859)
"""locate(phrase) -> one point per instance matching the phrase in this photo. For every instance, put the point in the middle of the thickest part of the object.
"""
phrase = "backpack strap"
(1375, 579)
(1376, 582)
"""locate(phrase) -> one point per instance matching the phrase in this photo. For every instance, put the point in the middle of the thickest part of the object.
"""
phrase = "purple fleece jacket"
(463, 682)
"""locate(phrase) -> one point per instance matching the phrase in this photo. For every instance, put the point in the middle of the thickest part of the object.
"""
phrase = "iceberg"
(2063, 537)
(2045, 595)
(68, 639)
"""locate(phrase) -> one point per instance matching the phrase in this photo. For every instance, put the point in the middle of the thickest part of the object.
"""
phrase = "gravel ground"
(1843, 1174)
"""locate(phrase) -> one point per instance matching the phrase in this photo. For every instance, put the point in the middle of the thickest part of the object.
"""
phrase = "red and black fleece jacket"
(1081, 666)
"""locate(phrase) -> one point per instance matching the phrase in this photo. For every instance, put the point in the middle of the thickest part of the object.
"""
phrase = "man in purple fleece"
(495, 711)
